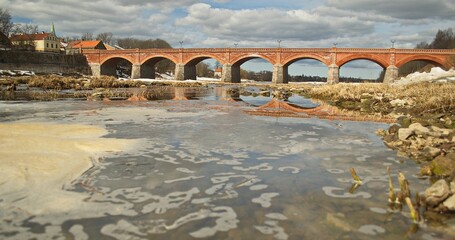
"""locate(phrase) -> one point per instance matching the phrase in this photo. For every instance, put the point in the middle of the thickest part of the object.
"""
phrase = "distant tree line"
(444, 39)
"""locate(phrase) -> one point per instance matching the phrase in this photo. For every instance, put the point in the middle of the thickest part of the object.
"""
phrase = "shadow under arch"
(419, 63)
(425, 58)
(117, 67)
(160, 64)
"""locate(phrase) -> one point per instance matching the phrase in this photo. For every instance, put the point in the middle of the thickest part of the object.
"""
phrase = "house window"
(52, 45)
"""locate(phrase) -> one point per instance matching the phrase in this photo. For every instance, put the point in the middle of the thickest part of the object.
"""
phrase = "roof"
(29, 37)
(84, 44)
(218, 70)
(112, 47)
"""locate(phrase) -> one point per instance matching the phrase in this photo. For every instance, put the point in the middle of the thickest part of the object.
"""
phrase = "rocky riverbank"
(425, 114)
(424, 132)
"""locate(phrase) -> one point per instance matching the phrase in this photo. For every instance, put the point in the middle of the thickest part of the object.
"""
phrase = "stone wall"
(44, 62)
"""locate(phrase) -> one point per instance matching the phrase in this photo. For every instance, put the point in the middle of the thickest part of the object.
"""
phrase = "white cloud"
(402, 9)
(271, 24)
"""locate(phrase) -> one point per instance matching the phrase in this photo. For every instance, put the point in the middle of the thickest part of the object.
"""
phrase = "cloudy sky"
(221, 23)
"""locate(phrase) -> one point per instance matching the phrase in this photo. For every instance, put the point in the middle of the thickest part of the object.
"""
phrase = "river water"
(196, 168)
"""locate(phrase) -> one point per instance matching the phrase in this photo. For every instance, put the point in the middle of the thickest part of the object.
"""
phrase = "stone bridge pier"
(391, 74)
(231, 73)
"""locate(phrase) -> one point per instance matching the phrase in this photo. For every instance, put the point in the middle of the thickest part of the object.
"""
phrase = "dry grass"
(426, 97)
(112, 82)
(54, 82)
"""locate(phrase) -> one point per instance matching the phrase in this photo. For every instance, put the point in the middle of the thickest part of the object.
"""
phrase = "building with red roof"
(78, 46)
(42, 42)
(217, 73)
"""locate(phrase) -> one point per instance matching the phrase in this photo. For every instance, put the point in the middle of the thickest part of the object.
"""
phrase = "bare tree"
(24, 29)
(5, 22)
(27, 32)
(87, 36)
(106, 37)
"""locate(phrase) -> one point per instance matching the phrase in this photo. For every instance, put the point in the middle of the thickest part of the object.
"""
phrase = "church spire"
(53, 29)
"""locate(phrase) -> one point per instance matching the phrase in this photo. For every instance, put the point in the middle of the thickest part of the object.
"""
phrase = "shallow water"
(205, 169)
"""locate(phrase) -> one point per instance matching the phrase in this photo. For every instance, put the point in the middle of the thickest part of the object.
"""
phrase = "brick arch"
(435, 60)
(198, 58)
(124, 57)
(159, 58)
(244, 58)
(376, 59)
(296, 58)
(109, 65)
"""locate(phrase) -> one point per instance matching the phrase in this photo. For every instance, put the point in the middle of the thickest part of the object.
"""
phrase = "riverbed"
(196, 165)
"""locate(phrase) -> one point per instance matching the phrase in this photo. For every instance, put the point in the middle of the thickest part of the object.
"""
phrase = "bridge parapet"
(432, 51)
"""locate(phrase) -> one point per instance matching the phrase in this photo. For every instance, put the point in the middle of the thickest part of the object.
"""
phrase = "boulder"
(419, 129)
(405, 133)
(449, 203)
(437, 193)
(443, 166)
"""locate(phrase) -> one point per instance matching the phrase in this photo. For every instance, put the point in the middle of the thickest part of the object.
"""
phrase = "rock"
(443, 166)
(394, 129)
(449, 203)
(404, 121)
(425, 169)
(390, 138)
(419, 129)
(452, 186)
(405, 133)
(265, 93)
(437, 193)
(398, 103)
(381, 132)
(432, 151)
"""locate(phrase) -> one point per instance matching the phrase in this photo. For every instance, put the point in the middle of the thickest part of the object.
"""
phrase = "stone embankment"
(44, 63)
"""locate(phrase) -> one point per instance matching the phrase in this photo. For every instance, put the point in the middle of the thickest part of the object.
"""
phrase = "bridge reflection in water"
(278, 105)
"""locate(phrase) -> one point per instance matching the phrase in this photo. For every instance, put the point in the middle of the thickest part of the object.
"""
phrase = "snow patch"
(435, 75)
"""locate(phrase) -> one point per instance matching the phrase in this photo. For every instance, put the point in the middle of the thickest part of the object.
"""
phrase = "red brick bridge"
(104, 62)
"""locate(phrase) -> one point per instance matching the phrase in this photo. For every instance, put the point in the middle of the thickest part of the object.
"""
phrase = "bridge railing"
(296, 50)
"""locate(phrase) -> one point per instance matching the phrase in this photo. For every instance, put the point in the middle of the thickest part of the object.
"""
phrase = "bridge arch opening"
(158, 68)
(306, 70)
(117, 66)
(362, 70)
(252, 68)
(203, 67)
(418, 65)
